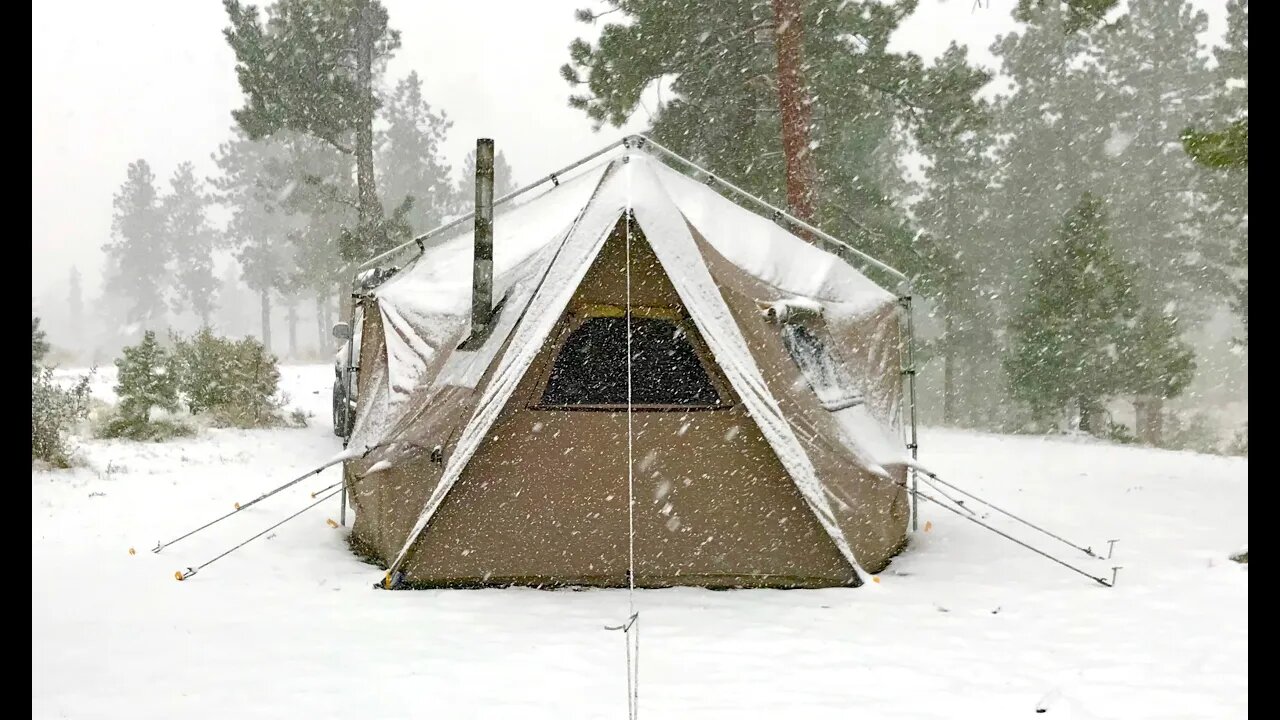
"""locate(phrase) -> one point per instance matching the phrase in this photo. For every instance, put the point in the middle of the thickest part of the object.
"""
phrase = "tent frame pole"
(909, 369)
(424, 239)
(777, 213)
(348, 422)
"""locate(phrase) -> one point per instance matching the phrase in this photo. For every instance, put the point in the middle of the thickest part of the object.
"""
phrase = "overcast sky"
(116, 81)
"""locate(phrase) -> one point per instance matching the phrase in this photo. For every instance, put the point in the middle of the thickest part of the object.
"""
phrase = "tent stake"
(1101, 581)
(238, 507)
(1002, 511)
(180, 575)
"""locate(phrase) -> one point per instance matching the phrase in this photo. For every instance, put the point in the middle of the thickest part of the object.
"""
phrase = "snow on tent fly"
(757, 461)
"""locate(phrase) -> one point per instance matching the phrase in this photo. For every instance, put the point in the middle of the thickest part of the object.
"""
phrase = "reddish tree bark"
(795, 104)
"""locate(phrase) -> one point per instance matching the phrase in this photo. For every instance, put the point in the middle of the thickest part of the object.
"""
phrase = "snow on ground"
(963, 625)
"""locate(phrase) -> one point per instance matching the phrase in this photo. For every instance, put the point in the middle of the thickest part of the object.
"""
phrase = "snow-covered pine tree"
(503, 182)
(1077, 310)
(203, 362)
(722, 108)
(1053, 126)
(312, 68)
(192, 241)
(39, 346)
(254, 378)
(410, 160)
(138, 254)
(1157, 366)
(1156, 69)
(1220, 144)
(75, 307)
(961, 257)
(256, 192)
(146, 380)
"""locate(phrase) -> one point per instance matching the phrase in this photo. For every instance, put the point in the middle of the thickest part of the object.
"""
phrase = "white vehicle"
(344, 381)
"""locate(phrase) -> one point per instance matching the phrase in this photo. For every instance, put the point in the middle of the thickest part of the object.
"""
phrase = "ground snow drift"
(963, 625)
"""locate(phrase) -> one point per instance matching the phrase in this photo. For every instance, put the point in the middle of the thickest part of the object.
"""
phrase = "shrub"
(147, 380)
(233, 382)
(1195, 432)
(1120, 433)
(252, 377)
(202, 369)
(39, 348)
(54, 411)
(1239, 444)
(120, 426)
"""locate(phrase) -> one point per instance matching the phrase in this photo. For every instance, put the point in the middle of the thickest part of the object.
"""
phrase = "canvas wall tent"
(763, 439)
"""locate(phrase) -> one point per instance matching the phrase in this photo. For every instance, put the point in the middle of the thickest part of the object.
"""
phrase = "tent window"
(823, 371)
(590, 371)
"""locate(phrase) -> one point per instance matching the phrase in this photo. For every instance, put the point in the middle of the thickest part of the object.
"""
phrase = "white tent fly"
(544, 243)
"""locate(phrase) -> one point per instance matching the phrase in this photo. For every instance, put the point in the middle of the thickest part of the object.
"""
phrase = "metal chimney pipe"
(482, 267)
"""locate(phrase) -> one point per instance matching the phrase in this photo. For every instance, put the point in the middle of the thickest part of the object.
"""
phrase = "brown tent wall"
(873, 512)
(544, 501)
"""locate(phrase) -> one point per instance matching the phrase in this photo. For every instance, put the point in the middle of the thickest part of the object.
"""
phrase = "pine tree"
(252, 187)
(39, 347)
(1067, 339)
(1158, 366)
(1077, 14)
(503, 182)
(234, 314)
(1223, 153)
(146, 380)
(1156, 69)
(138, 254)
(312, 68)
(723, 111)
(321, 201)
(953, 134)
(1054, 126)
(193, 242)
(75, 305)
(409, 157)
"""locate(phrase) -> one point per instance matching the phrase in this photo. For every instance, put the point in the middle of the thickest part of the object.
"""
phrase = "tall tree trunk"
(1093, 417)
(369, 208)
(795, 106)
(1149, 419)
(266, 318)
(950, 398)
(204, 319)
(322, 327)
(292, 319)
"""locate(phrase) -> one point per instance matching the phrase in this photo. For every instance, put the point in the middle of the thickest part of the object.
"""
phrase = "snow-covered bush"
(252, 377)
(147, 381)
(1239, 444)
(1195, 431)
(39, 348)
(234, 382)
(202, 362)
(54, 410)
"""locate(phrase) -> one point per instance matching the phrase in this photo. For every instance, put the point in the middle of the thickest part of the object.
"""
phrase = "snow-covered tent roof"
(711, 249)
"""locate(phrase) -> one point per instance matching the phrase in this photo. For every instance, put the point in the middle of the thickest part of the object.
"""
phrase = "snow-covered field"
(963, 625)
